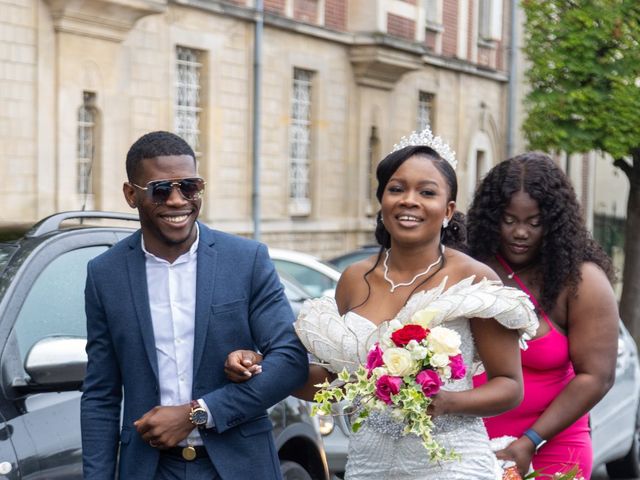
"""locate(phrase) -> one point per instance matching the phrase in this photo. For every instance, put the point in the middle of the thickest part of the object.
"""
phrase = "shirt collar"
(184, 257)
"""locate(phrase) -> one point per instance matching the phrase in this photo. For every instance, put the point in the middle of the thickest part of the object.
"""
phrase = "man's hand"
(165, 427)
(241, 365)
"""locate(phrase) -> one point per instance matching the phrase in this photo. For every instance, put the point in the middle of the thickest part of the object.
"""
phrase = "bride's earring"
(445, 222)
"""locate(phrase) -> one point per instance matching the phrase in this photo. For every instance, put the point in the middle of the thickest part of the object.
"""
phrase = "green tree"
(585, 95)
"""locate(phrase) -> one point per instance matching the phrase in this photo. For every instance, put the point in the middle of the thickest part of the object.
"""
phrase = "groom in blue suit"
(164, 308)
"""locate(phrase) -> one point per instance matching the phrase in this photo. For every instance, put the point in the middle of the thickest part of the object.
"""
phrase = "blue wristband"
(536, 439)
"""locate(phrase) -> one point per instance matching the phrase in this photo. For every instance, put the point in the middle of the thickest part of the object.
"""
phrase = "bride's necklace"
(406, 284)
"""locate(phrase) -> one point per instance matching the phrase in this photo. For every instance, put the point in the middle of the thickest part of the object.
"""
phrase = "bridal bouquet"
(403, 371)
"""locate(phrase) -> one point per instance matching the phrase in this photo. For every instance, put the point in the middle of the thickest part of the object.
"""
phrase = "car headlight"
(325, 424)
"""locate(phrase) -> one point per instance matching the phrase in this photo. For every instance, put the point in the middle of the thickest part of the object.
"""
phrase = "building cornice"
(105, 19)
(378, 58)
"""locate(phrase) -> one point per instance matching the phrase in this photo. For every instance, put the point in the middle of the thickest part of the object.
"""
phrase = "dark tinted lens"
(191, 188)
(160, 191)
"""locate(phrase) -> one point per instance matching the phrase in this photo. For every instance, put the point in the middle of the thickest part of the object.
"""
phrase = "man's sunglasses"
(159, 191)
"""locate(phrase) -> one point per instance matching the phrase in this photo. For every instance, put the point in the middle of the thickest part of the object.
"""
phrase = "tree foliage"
(585, 95)
(584, 75)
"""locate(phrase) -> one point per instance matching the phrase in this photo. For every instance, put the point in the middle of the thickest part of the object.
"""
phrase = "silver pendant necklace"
(406, 284)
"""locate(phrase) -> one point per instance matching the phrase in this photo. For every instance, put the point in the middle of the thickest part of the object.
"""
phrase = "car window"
(314, 282)
(55, 302)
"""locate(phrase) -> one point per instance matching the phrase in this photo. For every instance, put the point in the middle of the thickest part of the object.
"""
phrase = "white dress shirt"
(172, 301)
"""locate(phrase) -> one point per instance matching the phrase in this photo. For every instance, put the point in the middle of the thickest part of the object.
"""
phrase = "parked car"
(315, 276)
(615, 420)
(318, 279)
(42, 359)
(343, 261)
(295, 293)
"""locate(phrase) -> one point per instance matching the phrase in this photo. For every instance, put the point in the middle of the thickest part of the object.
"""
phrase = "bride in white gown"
(417, 188)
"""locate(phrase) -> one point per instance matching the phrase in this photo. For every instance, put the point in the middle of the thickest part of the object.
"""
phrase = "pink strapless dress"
(546, 369)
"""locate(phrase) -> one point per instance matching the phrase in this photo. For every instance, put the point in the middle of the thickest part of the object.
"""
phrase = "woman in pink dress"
(525, 223)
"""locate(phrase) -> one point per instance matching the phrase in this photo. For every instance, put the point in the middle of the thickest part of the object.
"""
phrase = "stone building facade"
(342, 81)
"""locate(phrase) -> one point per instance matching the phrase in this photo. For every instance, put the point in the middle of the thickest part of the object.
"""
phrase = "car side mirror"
(56, 363)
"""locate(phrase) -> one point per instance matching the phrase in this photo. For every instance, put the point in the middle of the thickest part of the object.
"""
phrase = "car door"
(47, 299)
(613, 419)
(8, 460)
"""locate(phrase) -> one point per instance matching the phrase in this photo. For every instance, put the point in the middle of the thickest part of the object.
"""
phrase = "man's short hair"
(155, 144)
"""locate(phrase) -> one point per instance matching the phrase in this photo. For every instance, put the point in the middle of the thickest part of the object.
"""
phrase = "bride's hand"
(241, 365)
(439, 404)
(520, 451)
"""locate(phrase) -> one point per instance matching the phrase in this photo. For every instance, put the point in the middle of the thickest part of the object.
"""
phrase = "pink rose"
(458, 368)
(387, 386)
(374, 358)
(429, 381)
(404, 335)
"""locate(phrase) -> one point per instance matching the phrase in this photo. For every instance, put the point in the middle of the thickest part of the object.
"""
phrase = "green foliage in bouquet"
(409, 407)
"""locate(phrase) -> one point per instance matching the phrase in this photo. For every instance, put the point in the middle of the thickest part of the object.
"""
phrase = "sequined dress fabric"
(379, 450)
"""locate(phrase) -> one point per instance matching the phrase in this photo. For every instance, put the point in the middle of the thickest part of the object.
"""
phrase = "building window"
(300, 143)
(490, 20)
(425, 110)
(85, 148)
(188, 108)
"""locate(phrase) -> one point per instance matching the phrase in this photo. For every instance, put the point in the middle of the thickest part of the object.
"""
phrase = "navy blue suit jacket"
(240, 304)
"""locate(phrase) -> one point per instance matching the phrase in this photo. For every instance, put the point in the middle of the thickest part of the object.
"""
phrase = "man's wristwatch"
(536, 439)
(198, 415)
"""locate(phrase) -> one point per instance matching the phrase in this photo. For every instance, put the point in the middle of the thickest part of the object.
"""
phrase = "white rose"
(439, 360)
(444, 340)
(424, 317)
(399, 362)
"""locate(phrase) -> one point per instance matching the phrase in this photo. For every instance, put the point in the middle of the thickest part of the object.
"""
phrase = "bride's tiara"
(426, 138)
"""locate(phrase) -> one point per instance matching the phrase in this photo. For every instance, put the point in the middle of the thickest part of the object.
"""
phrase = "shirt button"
(182, 378)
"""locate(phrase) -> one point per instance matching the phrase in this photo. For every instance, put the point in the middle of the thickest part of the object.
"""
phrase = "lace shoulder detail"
(328, 337)
(510, 306)
(343, 341)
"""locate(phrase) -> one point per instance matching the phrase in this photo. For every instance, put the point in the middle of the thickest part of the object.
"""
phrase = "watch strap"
(536, 439)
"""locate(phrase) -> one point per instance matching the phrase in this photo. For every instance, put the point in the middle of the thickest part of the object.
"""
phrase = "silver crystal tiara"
(428, 139)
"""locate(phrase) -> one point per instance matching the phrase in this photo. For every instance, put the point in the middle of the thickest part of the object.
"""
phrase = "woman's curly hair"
(566, 242)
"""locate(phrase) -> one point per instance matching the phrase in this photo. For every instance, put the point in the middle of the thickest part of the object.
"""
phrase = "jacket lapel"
(138, 285)
(205, 275)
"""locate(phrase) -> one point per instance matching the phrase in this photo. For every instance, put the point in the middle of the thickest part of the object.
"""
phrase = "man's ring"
(153, 444)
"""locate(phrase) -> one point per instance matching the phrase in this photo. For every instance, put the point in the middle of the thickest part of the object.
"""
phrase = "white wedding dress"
(379, 450)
